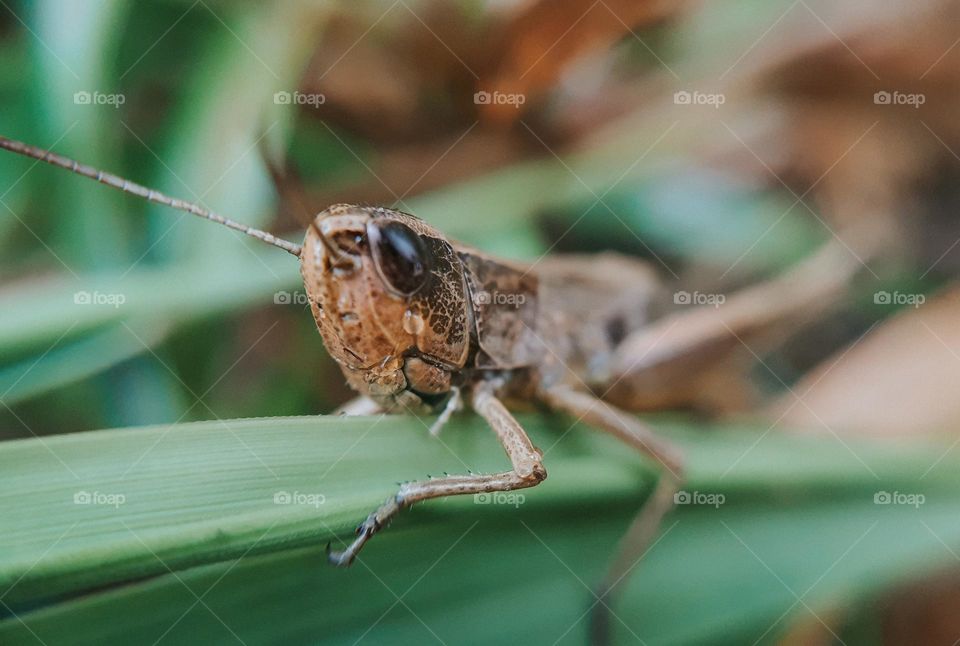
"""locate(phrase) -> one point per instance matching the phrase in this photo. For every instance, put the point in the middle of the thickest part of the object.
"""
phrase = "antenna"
(290, 189)
(148, 193)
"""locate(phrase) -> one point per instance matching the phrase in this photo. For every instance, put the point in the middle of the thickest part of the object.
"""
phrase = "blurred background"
(722, 142)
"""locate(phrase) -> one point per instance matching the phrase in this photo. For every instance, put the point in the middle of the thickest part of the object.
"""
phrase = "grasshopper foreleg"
(453, 404)
(361, 405)
(643, 529)
(525, 459)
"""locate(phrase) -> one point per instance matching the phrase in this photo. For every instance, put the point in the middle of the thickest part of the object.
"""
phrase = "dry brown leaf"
(544, 38)
(902, 379)
(866, 157)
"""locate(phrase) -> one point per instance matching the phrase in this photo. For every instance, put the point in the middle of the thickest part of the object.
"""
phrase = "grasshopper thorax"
(388, 295)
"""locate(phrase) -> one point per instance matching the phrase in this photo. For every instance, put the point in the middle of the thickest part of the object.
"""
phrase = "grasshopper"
(418, 322)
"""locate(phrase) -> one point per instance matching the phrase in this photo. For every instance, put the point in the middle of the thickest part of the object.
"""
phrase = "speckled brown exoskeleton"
(418, 322)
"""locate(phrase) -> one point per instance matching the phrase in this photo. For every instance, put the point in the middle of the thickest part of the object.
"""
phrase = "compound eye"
(400, 255)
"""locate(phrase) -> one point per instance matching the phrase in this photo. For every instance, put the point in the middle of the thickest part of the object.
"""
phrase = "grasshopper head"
(388, 294)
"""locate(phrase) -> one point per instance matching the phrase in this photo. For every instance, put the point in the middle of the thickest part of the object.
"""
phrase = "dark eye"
(400, 255)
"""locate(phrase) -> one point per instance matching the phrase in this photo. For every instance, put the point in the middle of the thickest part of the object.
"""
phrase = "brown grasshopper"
(418, 322)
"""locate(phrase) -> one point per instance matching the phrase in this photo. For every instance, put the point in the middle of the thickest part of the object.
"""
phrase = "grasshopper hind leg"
(643, 529)
(525, 459)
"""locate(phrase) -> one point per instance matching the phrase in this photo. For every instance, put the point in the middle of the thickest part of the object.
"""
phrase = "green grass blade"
(198, 496)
